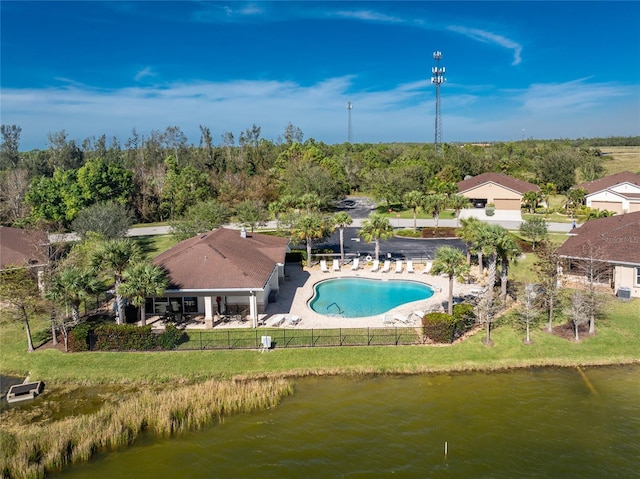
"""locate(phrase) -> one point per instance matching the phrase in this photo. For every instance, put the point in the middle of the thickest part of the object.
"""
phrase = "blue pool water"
(359, 297)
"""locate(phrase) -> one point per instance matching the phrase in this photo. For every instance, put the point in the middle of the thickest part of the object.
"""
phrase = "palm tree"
(341, 220)
(276, 208)
(310, 227)
(531, 200)
(140, 281)
(115, 256)
(434, 204)
(508, 250)
(310, 202)
(451, 262)
(413, 199)
(374, 229)
(469, 234)
(73, 285)
(458, 202)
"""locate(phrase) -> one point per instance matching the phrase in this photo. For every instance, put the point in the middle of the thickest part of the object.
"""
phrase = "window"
(161, 305)
(190, 304)
(638, 276)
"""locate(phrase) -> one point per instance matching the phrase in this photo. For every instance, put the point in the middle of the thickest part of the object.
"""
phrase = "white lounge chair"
(386, 319)
(376, 266)
(419, 314)
(356, 264)
(410, 266)
(323, 266)
(386, 267)
(398, 266)
(336, 265)
(427, 268)
(293, 320)
(402, 318)
(274, 321)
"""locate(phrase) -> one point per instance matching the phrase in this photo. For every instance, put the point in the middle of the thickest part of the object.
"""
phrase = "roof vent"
(243, 232)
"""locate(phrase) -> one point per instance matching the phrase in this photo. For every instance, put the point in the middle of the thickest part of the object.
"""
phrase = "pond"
(540, 423)
(360, 297)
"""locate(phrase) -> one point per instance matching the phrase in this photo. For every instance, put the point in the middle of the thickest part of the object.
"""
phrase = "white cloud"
(402, 113)
(144, 73)
(489, 37)
(368, 15)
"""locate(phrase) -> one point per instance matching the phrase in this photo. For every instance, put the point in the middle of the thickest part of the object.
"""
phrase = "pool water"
(359, 297)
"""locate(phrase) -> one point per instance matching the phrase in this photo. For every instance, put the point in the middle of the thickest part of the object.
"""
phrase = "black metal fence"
(294, 338)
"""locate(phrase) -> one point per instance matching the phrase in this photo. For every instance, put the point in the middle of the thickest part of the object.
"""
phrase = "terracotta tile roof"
(615, 239)
(222, 259)
(501, 179)
(21, 247)
(609, 181)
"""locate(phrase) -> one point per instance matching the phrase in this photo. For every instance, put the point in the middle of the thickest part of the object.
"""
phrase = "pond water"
(360, 297)
(536, 423)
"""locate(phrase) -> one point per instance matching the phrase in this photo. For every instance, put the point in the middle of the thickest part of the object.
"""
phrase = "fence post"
(312, 342)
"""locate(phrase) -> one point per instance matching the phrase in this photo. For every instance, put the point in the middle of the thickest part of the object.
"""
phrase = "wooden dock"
(22, 392)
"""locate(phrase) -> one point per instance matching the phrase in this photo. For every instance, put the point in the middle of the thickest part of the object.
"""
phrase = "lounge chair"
(387, 266)
(402, 318)
(293, 320)
(356, 264)
(386, 319)
(323, 266)
(410, 266)
(398, 266)
(376, 266)
(336, 265)
(275, 321)
(427, 268)
(419, 314)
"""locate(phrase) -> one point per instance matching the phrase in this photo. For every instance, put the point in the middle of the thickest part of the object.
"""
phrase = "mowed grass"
(617, 340)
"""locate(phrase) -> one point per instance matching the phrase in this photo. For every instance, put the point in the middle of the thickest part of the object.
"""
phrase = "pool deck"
(297, 290)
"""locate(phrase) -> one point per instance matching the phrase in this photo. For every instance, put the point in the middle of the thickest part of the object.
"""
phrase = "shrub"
(490, 209)
(79, 338)
(439, 327)
(124, 337)
(171, 337)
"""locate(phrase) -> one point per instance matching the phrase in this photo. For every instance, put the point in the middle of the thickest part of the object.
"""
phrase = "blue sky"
(514, 69)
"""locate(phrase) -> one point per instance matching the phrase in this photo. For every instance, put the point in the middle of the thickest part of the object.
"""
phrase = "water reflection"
(531, 423)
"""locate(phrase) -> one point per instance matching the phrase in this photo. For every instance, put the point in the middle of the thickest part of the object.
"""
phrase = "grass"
(621, 158)
(153, 245)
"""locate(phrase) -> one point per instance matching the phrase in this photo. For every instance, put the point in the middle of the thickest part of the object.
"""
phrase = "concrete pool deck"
(297, 290)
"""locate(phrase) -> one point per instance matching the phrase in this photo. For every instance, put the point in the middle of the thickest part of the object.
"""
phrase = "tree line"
(160, 176)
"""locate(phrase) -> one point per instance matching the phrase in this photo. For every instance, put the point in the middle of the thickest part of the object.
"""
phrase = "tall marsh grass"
(32, 450)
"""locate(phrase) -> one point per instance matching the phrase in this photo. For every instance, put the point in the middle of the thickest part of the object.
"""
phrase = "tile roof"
(609, 181)
(615, 239)
(222, 259)
(501, 179)
(21, 247)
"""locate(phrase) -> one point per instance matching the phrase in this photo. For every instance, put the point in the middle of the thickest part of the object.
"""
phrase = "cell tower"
(438, 79)
(349, 132)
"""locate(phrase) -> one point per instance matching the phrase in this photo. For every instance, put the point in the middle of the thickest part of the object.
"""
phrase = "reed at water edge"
(31, 451)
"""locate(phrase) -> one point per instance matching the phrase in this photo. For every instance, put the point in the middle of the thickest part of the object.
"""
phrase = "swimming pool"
(360, 297)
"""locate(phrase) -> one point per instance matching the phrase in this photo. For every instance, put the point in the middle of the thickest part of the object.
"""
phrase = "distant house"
(220, 271)
(619, 193)
(23, 248)
(504, 191)
(614, 242)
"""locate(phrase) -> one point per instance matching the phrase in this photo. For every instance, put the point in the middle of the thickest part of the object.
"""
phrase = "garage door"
(507, 204)
(633, 207)
(614, 206)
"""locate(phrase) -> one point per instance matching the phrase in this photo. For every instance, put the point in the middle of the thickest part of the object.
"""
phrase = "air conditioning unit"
(624, 292)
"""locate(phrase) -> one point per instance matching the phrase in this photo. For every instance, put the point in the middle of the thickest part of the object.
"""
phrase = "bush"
(489, 209)
(79, 338)
(439, 327)
(171, 337)
(123, 337)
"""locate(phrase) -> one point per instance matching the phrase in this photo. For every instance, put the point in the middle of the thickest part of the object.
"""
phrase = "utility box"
(624, 292)
(266, 342)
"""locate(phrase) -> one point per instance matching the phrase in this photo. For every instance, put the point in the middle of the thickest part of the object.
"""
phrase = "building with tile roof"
(614, 242)
(504, 191)
(23, 248)
(619, 192)
(220, 271)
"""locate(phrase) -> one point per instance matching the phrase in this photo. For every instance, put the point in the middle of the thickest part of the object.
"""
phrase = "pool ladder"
(340, 311)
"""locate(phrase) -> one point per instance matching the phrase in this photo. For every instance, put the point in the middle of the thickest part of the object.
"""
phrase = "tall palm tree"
(374, 229)
(341, 220)
(457, 203)
(114, 256)
(276, 208)
(72, 285)
(468, 232)
(451, 262)
(508, 250)
(141, 281)
(310, 227)
(531, 200)
(413, 199)
(433, 204)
